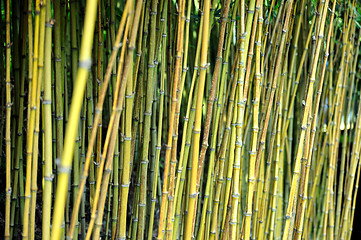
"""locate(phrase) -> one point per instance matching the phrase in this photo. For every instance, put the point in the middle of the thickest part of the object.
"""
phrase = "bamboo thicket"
(159, 119)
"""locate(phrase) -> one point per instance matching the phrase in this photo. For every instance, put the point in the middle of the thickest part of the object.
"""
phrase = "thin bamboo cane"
(147, 120)
(17, 179)
(160, 121)
(16, 72)
(8, 124)
(180, 87)
(59, 84)
(48, 168)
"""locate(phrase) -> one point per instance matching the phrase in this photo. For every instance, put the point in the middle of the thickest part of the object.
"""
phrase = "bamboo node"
(239, 144)
(86, 64)
(204, 67)
(236, 195)
(130, 96)
(49, 178)
(64, 169)
(49, 24)
(194, 195)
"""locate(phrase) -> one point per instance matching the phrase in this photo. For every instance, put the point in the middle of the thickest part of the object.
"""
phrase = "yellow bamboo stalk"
(47, 122)
(64, 167)
(197, 123)
(30, 137)
(97, 117)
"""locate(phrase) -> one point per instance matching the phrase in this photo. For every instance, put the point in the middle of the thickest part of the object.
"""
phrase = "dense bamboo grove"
(160, 119)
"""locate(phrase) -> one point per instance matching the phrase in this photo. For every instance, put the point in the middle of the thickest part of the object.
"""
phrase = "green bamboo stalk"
(16, 72)
(147, 121)
(160, 120)
(74, 69)
(8, 130)
(18, 182)
(126, 159)
(59, 82)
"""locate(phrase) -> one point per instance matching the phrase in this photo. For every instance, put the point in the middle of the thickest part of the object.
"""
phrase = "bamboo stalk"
(8, 124)
(72, 127)
(197, 123)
